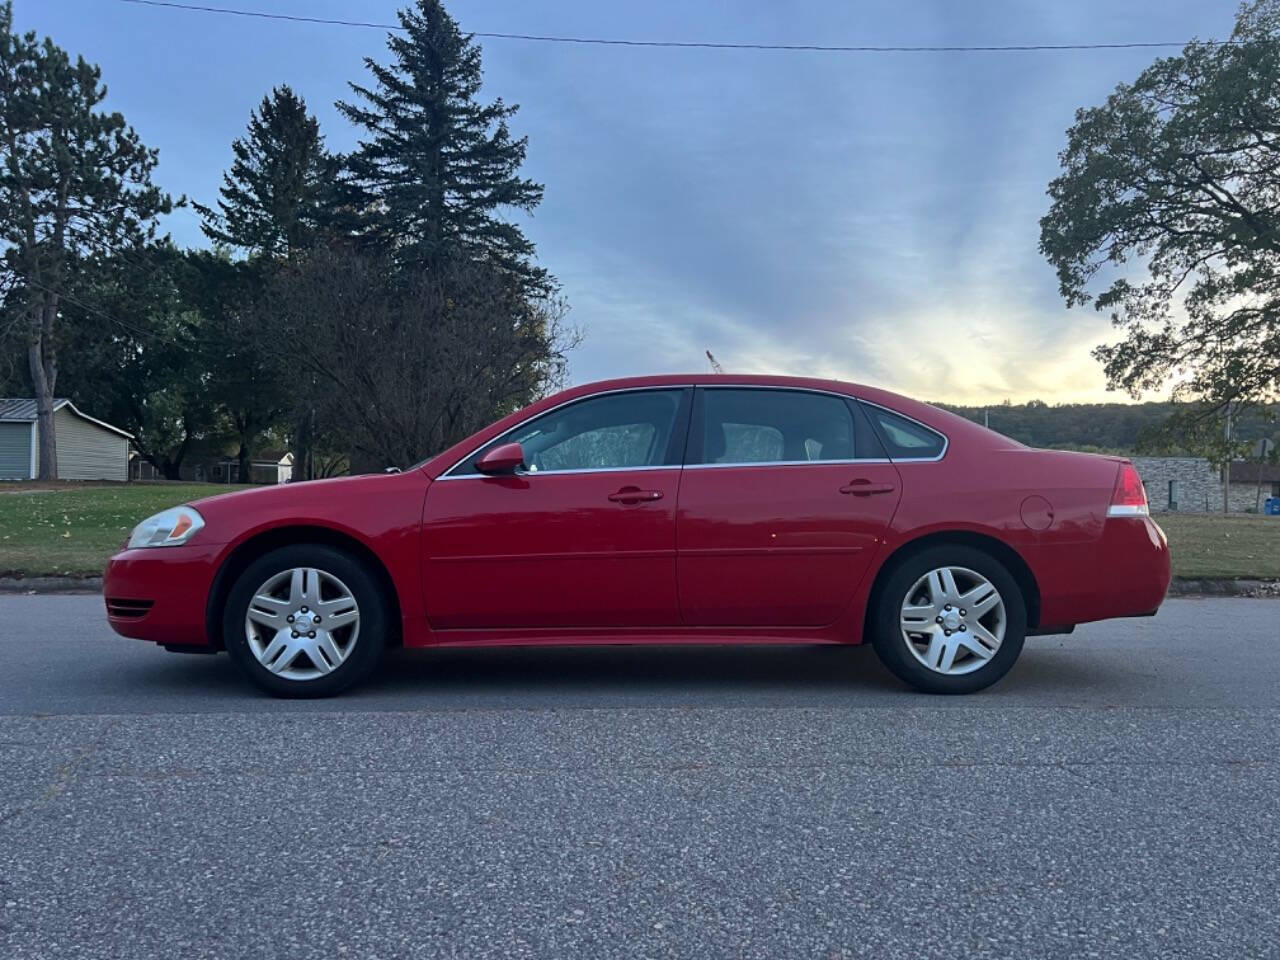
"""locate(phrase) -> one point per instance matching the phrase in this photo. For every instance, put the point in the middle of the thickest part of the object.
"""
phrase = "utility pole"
(1226, 468)
(986, 419)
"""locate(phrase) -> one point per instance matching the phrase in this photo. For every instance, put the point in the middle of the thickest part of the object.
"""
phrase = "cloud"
(872, 219)
(865, 217)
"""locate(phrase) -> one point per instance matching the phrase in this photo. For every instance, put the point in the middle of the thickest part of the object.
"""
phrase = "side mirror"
(507, 458)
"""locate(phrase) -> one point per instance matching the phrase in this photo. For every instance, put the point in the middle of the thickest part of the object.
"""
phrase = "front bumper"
(161, 594)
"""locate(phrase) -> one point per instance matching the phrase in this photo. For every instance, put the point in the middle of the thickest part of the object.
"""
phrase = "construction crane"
(715, 364)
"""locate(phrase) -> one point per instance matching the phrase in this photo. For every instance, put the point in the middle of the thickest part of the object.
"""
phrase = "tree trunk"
(1226, 467)
(44, 386)
(303, 443)
(48, 438)
(243, 465)
(171, 467)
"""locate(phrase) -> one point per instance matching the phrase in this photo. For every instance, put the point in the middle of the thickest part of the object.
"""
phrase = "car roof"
(936, 417)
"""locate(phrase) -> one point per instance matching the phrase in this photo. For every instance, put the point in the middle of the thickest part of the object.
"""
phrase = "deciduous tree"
(249, 381)
(136, 343)
(403, 369)
(1178, 175)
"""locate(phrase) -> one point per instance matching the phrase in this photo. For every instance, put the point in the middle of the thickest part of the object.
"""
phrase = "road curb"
(1224, 588)
(50, 584)
(1180, 587)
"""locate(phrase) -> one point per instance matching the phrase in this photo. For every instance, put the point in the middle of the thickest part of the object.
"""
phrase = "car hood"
(362, 505)
(300, 493)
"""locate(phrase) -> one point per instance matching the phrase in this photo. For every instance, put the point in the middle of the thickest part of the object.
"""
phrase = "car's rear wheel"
(305, 621)
(949, 619)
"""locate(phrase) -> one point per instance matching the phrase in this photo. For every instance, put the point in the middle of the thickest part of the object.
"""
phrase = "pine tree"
(275, 195)
(438, 167)
(75, 187)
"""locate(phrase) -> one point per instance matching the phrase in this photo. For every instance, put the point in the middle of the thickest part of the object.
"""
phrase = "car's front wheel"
(305, 621)
(949, 619)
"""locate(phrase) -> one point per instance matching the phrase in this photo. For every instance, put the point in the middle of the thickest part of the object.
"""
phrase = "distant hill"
(1104, 427)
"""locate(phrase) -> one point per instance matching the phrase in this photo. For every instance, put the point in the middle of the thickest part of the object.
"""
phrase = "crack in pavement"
(66, 773)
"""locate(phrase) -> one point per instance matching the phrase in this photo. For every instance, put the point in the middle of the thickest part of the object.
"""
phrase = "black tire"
(369, 642)
(892, 647)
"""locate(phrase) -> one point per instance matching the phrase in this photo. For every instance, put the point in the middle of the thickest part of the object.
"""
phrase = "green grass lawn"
(1239, 546)
(73, 529)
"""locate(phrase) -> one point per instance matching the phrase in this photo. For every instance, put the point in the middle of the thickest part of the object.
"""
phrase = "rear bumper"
(1125, 573)
(161, 593)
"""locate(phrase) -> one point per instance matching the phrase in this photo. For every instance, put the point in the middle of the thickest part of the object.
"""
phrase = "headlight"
(167, 529)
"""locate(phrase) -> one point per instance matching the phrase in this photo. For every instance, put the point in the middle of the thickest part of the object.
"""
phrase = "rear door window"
(746, 426)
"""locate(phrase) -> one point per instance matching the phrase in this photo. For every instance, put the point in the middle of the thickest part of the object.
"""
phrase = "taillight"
(1129, 498)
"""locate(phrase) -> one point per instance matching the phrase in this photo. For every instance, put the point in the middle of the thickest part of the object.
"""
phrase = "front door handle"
(635, 495)
(865, 488)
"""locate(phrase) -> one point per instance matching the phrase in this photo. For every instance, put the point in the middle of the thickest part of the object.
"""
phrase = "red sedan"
(674, 509)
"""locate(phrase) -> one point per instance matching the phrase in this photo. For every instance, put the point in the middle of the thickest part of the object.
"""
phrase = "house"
(1193, 485)
(1253, 481)
(88, 449)
(271, 466)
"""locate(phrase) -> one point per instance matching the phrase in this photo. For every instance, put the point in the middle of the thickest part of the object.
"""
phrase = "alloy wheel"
(953, 620)
(302, 623)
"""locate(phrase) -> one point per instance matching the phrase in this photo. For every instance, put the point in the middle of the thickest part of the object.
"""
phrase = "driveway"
(1115, 795)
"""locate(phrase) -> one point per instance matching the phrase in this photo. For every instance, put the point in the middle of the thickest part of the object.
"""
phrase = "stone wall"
(1197, 485)
(1244, 496)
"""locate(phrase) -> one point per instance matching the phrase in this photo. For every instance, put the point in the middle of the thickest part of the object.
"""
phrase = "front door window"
(614, 431)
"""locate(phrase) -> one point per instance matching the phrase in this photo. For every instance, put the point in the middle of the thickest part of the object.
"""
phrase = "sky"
(868, 217)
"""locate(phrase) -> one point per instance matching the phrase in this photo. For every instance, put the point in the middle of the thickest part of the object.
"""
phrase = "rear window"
(905, 439)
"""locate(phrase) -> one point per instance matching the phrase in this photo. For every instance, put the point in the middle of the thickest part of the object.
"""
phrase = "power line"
(690, 44)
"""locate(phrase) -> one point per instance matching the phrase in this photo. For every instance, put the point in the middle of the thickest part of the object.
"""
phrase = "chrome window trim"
(772, 386)
(450, 475)
(557, 473)
(782, 463)
(946, 441)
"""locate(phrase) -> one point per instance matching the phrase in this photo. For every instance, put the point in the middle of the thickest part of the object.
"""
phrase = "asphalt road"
(1116, 796)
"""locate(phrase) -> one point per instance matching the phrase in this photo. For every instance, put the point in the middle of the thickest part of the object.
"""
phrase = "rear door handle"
(865, 488)
(635, 495)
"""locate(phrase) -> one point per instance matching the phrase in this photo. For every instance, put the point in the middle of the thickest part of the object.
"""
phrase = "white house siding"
(88, 452)
(15, 451)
